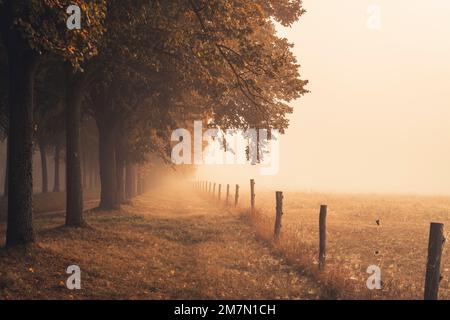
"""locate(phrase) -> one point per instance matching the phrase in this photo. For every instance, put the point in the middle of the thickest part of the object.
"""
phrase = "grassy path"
(166, 245)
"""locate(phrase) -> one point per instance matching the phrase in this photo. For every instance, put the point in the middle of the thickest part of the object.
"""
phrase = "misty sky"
(378, 115)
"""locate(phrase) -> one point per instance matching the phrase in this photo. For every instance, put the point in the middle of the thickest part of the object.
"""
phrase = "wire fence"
(307, 243)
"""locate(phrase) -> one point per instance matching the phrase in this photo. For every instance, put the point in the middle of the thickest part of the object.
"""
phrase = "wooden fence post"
(322, 235)
(214, 190)
(252, 195)
(228, 194)
(220, 188)
(279, 213)
(433, 273)
(236, 195)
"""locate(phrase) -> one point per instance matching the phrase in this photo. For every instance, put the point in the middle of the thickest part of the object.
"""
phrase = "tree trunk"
(56, 186)
(134, 179)
(139, 183)
(96, 174)
(42, 147)
(107, 162)
(5, 190)
(129, 181)
(120, 163)
(91, 174)
(74, 191)
(22, 65)
(84, 168)
(144, 185)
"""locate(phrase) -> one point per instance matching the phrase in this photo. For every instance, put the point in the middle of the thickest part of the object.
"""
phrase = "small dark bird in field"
(378, 222)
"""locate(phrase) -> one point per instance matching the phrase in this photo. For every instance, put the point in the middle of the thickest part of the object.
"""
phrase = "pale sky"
(378, 115)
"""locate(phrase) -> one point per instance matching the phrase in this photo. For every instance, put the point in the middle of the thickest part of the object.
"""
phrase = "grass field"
(398, 245)
(164, 245)
(185, 245)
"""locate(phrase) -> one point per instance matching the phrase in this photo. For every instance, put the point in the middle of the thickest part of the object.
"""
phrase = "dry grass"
(354, 240)
(177, 245)
(172, 245)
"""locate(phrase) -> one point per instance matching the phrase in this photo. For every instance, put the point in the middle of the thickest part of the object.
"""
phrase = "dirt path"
(167, 245)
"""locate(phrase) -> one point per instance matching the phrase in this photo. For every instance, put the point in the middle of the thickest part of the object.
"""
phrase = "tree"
(30, 29)
(141, 68)
(4, 117)
(226, 52)
(254, 69)
(48, 112)
(57, 161)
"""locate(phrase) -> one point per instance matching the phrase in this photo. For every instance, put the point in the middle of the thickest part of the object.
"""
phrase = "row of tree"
(49, 164)
(139, 69)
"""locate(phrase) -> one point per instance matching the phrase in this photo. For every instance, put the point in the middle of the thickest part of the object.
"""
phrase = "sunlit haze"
(377, 117)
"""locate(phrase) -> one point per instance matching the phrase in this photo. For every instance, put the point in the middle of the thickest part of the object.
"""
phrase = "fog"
(377, 118)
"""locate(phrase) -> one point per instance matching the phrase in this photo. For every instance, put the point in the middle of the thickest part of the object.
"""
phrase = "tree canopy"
(140, 68)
